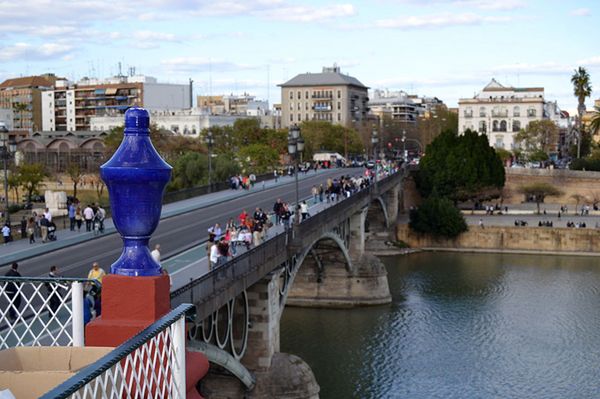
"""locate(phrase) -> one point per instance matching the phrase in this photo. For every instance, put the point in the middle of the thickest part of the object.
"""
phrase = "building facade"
(327, 96)
(24, 97)
(502, 111)
(400, 106)
(244, 104)
(70, 106)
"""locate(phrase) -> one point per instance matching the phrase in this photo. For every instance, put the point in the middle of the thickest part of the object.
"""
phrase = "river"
(461, 326)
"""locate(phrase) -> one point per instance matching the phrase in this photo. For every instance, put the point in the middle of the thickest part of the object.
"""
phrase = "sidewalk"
(21, 249)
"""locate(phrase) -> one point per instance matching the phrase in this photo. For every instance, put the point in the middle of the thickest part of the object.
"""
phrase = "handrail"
(96, 369)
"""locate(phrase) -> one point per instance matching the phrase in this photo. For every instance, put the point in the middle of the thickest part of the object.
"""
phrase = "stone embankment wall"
(569, 181)
(514, 239)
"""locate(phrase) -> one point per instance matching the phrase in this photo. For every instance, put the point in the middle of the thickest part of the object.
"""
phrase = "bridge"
(320, 262)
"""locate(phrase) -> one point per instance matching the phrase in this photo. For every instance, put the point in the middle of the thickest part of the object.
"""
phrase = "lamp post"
(295, 147)
(374, 142)
(7, 149)
(210, 141)
(404, 145)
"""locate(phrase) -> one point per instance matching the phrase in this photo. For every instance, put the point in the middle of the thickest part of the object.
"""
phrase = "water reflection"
(461, 326)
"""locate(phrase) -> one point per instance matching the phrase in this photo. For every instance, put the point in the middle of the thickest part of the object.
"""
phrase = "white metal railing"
(42, 311)
(149, 365)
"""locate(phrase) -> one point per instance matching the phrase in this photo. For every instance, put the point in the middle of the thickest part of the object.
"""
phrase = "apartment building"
(400, 106)
(244, 104)
(327, 96)
(70, 106)
(24, 97)
(502, 111)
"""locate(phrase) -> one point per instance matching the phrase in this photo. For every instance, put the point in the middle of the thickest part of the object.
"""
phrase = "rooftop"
(27, 81)
(329, 77)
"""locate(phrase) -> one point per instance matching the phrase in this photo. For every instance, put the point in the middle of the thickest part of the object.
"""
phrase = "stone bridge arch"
(377, 215)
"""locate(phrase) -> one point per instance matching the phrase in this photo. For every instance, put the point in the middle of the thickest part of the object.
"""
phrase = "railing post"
(77, 309)
(179, 361)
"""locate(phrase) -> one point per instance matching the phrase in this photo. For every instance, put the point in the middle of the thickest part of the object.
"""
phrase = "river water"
(461, 326)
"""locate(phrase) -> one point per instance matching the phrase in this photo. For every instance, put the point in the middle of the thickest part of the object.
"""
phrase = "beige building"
(327, 96)
(502, 111)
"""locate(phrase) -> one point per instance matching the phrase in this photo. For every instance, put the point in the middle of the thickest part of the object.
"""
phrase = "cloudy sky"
(444, 48)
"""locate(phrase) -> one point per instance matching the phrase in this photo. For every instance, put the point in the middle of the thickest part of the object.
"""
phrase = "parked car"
(370, 164)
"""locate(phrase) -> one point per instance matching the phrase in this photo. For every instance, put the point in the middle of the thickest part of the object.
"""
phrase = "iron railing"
(42, 311)
(149, 365)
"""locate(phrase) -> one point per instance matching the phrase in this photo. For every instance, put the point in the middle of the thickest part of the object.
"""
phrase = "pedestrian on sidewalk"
(304, 210)
(6, 233)
(78, 217)
(44, 223)
(315, 193)
(48, 215)
(31, 230)
(156, 253)
(275, 175)
(481, 223)
(23, 227)
(12, 292)
(213, 258)
(72, 209)
(88, 215)
(97, 273)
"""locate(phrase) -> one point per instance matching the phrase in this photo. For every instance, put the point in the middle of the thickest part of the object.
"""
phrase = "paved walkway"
(21, 249)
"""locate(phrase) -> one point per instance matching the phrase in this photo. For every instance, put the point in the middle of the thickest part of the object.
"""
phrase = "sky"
(445, 48)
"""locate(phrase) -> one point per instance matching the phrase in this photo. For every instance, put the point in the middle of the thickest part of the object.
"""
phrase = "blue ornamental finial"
(136, 177)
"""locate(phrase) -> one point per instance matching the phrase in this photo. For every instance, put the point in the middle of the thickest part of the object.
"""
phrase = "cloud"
(494, 5)
(26, 51)
(438, 21)
(581, 12)
(200, 64)
(544, 68)
(308, 14)
(592, 61)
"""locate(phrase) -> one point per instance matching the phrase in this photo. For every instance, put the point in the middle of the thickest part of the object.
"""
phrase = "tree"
(539, 136)
(438, 217)
(258, 158)
(324, 136)
(539, 191)
(189, 170)
(75, 174)
(98, 185)
(14, 182)
(578, 198)
(31, 178)
(595, 123)
(504, 155)
(461, 168)
(582, 88)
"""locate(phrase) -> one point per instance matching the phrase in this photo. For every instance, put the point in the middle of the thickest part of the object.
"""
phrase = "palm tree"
(582, 88)
(595, 124)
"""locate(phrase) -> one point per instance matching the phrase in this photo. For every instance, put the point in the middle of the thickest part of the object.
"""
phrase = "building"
(502, 111)
(24, 97)
(326, 96)
(188, 122)
(244, 104)
(400, 106)
(70, 106)
(6, 118)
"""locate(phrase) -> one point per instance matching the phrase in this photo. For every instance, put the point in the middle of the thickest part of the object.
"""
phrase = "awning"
(111, 91)
(99, 91)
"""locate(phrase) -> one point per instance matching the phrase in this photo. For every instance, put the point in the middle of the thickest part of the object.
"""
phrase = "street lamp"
(404, 154)
(374, 142)
(8, 148)
(210, 141)
(295, 147)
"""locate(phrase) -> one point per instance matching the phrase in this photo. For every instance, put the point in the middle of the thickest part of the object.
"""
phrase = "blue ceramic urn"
(136, 177)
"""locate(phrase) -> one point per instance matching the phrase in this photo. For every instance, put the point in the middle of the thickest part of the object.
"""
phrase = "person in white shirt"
(304, 210)
(156, 253)
(6, 233)
(88, 215)
(214, 256)
(48, 215)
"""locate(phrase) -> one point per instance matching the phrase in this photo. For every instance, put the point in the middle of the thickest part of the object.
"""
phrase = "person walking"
(97, 273)
(72, 209)
(6, 233)
(213, 259)
(54, 293)
(44, 223)
(12, 292)
(156, 253)
(278, 210)
(78, 217)
(88, 215)
(31, 230)
(304, 210)
(315, 194)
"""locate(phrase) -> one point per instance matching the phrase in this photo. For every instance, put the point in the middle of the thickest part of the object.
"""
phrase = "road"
(174, 234)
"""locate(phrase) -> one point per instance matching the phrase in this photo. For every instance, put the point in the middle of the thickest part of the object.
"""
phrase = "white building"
(70, 106)
(400, 106)
(6, 118)
(188, 122)
(502, 111)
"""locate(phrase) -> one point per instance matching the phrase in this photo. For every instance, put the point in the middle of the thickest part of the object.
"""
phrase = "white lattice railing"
(42, 311)
(149, 365)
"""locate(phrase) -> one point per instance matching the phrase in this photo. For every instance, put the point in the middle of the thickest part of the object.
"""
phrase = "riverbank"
(518, 240)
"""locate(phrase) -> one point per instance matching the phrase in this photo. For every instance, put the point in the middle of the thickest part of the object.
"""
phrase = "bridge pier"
(392, 202)
(278, 375)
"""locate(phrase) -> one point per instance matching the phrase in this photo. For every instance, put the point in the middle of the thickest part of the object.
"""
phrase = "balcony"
(322, 96)
(531, 114)
(500, 114)
(482, 114)
(468, 114)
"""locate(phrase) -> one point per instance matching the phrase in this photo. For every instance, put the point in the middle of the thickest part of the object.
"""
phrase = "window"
(503, 126)
(481, 111)
(291, 95)
(339, 105)
(306, 94)
(499, 142)
(495, 126)
(516, 126)
(306, 106)
(339, 116)
(339, 94)
(299, 95)
(468, 113)
(291, 117)
(482, 127)
(291, 106)
(516, 111)
(531, 112)
(299, 106)
(299, 117)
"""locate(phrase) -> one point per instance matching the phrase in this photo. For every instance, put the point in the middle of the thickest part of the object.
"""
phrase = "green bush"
(14, 208)
(585, 164)
(438, 217)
